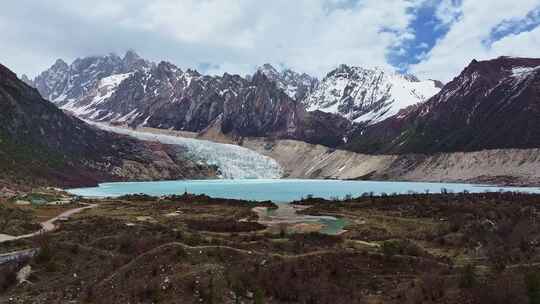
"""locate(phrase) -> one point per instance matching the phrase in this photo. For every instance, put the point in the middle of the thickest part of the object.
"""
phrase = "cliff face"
(492, 104)
(138, 93)
(43, 145)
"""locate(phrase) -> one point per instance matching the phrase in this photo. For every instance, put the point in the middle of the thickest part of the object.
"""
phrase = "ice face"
(234, 162)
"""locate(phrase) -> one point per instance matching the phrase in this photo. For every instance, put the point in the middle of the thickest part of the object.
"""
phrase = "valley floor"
(438, 248)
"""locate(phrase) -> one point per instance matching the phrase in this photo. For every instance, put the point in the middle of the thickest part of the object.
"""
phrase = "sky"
(431, 39)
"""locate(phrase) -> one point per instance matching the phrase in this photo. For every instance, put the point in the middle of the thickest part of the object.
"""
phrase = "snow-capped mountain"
(87, 105)
(368, 95)
(63, 83)
(40, 145)
(165, 96)
(27, 80)
(294, 84)
(491, 104)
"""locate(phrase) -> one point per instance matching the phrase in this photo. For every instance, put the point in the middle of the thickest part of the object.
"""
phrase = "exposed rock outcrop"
(40, 144)
(493, 104)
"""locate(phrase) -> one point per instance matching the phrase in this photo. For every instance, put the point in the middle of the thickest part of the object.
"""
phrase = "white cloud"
(448, 11)
(308, 35)
(471, 26)
(237, 35)
(522, 44)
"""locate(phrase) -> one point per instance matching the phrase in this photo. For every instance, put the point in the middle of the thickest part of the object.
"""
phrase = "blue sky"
(514, 26)
(430, 38)
(427, 29)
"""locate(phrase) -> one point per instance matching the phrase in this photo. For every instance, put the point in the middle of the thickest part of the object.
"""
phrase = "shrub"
(181, 253)
(8, 277)
(258, 297)
(126, 243)
(45, 251)
(532, 282)
(390, 248)
(468, 277)
(405, 247)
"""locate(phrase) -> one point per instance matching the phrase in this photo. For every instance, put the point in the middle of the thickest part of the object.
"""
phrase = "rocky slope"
(271, 103)
(492, 104)
(42, 145)
(295, 85)
(368, 95)
(302, 160)
(164, 96)
(386, 108)
(63, 83)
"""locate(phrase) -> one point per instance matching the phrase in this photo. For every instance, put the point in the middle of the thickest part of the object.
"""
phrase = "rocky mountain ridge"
(43, 145)
(492, 104)
(358, 94)
(164, 96)
(368, 96)
(365, 110)
(296, 85)
(63, 83)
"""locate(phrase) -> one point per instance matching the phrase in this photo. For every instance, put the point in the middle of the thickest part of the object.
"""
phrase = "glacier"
(234, 162)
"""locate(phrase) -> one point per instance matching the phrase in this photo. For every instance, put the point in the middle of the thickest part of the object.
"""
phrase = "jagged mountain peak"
(367, 95)
(295, 85)
(354, 72)
(164, 96)
(63, 83)
(60, 63)
(165, 67)
(96, 59)
(42, 145)
(491, 104)
(193, 72)
(132, 61)
(478, 76)
(267, 67)
(131, 55)
(259, 77)
(500, 66)
(27, 80)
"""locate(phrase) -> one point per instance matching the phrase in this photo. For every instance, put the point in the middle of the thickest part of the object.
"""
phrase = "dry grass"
(398, 250)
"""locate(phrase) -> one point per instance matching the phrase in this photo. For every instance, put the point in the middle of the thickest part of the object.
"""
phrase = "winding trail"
(46, 226)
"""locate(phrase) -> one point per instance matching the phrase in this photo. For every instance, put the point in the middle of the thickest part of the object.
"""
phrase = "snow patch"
(105, 88)
(523, 72)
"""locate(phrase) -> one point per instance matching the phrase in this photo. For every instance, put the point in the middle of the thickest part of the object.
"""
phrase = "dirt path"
(47, 225)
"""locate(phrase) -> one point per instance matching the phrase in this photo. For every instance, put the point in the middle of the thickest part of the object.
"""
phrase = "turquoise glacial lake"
(281, 190)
